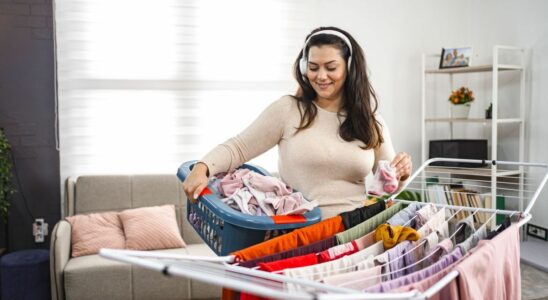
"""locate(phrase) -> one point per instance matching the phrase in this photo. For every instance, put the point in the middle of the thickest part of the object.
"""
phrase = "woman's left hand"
(403, 165)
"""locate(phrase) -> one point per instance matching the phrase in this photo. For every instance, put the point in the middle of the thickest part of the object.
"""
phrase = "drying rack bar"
(466, 208)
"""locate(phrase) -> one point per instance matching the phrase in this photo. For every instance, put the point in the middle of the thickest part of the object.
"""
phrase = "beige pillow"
(149, 228)
(95, 231)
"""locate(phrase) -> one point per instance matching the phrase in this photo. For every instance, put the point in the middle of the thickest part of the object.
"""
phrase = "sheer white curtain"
(145, 85)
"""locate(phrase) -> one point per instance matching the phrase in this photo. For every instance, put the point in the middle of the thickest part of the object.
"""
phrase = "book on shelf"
(436, 194)
(456, 195)
(475, 201)
(447, 192)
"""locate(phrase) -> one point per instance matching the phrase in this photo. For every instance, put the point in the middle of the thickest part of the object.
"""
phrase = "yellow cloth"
(392, 235)
(370, 201)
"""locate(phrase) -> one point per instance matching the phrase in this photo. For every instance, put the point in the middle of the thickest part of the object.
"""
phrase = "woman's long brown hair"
(358, 98)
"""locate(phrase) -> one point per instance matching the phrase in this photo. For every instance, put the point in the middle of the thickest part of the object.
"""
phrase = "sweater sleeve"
(264, 133)
(386, 149)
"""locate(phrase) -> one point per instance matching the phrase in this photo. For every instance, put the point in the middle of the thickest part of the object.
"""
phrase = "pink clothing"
(384, 180)
(492, 270)
(434, 221)
(256, 194)
(424, 214)
(232, 181)
(489, 271)
(353, 280)
(365, 241)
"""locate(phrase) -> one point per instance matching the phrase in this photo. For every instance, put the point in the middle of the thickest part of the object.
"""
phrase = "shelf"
(480, 172)
(474, 69)
(472, 120)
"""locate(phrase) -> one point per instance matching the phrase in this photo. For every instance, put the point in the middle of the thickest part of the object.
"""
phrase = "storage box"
(226, 230)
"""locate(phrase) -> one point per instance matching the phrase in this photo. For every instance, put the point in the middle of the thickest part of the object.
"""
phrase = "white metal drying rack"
(220, 270)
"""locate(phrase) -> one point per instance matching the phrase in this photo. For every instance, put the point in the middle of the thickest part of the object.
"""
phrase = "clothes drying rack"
(517, 183)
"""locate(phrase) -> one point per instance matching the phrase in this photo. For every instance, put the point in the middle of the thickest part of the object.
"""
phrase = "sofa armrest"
(59, 256)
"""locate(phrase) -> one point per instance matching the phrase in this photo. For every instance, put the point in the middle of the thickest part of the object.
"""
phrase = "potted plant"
(6, 186)
(460, 100)
(489, 111)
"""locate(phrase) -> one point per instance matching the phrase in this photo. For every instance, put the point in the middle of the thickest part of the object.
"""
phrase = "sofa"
(95, 277)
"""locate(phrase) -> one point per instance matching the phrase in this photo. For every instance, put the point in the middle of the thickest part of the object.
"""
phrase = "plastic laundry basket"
(226, 230)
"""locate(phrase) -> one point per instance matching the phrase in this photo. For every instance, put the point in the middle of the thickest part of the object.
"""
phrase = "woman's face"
(326, 71)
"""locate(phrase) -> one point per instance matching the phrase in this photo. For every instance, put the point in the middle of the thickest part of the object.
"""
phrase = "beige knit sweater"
(316, 161)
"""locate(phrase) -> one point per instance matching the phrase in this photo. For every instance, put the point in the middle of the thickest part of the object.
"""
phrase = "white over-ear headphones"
(303, 62)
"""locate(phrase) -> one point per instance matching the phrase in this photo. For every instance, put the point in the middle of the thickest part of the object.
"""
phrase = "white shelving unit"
(519, 119)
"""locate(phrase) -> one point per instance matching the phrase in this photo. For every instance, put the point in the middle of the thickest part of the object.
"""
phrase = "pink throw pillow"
(95, 231)
(149, 228)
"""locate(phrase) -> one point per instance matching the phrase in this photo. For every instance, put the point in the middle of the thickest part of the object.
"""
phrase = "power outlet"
(39, 230)
(537, 231)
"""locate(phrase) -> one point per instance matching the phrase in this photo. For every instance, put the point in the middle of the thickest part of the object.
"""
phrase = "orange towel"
(296, 238)
(392, 235)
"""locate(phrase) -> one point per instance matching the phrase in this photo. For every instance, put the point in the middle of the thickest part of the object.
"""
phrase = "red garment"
(292, 262)
(337, 252)
(247, 296)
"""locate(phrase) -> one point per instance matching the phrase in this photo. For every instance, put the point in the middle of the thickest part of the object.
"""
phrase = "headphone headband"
(303, 63)
(331, 32)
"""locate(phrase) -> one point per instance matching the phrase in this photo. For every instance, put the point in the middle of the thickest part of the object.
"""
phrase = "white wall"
(394, 34)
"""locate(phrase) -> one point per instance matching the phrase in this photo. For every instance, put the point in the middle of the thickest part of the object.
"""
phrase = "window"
(146, 85)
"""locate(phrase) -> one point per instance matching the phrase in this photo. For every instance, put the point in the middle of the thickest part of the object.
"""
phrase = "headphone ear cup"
(303, 67)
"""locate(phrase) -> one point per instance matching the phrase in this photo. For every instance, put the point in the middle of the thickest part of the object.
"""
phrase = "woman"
(328, 134)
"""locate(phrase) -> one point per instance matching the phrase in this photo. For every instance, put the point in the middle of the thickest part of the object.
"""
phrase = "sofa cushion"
(149, 228)
(93, 277)
(100, 193)
(95, 231)
(174, 287)
(152, 190)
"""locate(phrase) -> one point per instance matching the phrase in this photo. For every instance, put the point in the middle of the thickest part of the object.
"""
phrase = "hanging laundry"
(314, 247)
(361, 214)
(444, 262)
(492, 270)
(368, 226)
(298, 237)
(505, 224)
(405, 216)
(392, 235)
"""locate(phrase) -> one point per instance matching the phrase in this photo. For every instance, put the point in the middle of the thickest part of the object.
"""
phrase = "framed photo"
(456, 57)
(537, 232)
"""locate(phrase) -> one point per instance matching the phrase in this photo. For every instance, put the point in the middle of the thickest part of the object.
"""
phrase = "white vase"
(460, 111)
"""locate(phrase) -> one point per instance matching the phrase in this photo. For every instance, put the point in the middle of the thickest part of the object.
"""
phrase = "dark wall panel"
(27, 113)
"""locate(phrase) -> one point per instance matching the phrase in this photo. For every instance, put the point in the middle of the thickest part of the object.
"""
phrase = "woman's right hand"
(196, 181)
